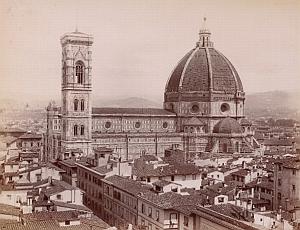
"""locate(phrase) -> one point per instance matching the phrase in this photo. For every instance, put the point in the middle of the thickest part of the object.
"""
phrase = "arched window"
(79, 72)
(75, 130)
(279, 196)
(82, 130)
(237, 146)
(75, 105)
(171, 107)
(225, 148)
(82, 105)
(64, 73)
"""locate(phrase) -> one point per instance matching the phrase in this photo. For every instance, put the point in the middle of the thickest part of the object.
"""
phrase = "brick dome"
(227, 125)
(204, 69)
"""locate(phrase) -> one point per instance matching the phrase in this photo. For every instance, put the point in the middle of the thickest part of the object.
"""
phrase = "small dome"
(228, 125)
(245, 122)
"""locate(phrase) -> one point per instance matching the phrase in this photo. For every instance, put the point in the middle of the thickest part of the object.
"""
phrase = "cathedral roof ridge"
(131, 111)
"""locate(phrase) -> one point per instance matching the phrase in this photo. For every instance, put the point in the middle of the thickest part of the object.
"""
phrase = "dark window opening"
(82, 105)
(82, 130)
(79, 70)
(75, 130)
(75, 105)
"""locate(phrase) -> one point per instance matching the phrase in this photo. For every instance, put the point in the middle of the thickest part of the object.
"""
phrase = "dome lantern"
(204, 36)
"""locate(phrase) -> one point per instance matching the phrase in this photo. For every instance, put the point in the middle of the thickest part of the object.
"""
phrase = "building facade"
(287, 184)
(121, 201)
(203, 108)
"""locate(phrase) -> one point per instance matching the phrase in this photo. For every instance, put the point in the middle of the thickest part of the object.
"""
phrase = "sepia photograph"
(150, 114)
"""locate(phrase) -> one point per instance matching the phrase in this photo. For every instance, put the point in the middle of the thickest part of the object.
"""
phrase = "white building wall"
(13, 197)
(68, 196)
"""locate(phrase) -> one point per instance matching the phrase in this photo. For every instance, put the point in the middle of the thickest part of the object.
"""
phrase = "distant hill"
(276, 104)
(131, 102)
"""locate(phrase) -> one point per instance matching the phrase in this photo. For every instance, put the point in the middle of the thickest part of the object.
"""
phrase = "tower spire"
(204, 36)
(204, 24)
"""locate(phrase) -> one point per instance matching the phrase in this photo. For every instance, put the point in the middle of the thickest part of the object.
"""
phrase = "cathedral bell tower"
(76, 88)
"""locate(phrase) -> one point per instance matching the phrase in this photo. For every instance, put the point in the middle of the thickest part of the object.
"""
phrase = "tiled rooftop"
(142, 169)
(52, 224)
(71, 206)
(7, 139)
(241, 172)
(161, 183)
(59, 216)
(9, 210)
(31, 136)
(57, 186)
(102, 169)
(131, 186)
(292, 163)
(229, 210)
(171, 200)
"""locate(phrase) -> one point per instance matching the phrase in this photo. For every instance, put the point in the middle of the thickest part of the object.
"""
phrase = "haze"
(138, 43)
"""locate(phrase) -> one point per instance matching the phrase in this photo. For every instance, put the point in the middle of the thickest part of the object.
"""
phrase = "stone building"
(203, 109)
(287, 185)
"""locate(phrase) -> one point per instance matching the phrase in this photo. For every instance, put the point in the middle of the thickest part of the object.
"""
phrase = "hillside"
(276, 104)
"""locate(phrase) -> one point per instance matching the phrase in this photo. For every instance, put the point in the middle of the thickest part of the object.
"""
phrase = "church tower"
(76, 88)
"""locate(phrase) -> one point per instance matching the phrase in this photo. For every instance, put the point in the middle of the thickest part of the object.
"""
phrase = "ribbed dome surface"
(228, 125)
(204, 69)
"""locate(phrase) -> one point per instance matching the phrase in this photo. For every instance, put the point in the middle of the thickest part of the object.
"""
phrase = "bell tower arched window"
(64, 73)
(75, 131)
(82, 130)
(225, 148)
(75, 105)
(82, 105)
(237, 146)
(79, 72)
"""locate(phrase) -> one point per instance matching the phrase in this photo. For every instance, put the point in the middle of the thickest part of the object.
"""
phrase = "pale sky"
(138, 43)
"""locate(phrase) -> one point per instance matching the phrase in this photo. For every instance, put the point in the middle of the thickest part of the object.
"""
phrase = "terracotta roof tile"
(9, 210)
(131, 186)
(161, 183)
(229, 210)
(31, 136)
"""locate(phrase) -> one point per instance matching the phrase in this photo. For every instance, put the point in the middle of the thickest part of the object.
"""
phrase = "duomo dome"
(204, 69)
(205, 84)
